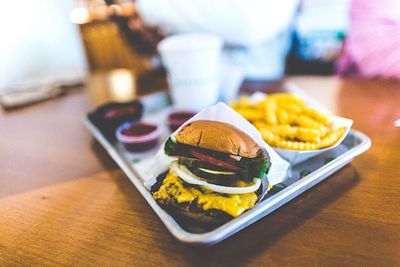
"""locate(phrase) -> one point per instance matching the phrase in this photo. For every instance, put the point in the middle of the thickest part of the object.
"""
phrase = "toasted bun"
(218, 136)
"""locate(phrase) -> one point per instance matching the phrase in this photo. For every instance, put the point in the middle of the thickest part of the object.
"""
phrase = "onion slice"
(185, 174)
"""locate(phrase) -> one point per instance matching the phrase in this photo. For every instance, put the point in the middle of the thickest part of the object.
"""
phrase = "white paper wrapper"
(297, 156)
(219, 112)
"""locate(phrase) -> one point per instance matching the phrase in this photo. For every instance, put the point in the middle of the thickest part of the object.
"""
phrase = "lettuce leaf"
(255, 167)
(170, 147)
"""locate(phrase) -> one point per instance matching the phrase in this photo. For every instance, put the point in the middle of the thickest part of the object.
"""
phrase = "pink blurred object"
(372, 47)
(397, 123)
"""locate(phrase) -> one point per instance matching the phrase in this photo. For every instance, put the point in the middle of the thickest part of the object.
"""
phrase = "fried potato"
(317, 116)
(296, 133)
(294, 145)
(285, 121)
(250, 114)
(332, 137)
(308, 122)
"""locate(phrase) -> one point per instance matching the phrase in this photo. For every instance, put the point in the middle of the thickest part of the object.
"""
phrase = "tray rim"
(256, 213)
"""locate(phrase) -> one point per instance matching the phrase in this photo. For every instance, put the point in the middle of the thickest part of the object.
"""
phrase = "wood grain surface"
(64, 202)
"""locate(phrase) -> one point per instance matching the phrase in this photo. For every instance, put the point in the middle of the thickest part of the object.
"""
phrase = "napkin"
(23, 97)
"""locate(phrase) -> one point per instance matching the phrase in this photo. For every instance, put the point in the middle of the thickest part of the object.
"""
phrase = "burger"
(216, 174)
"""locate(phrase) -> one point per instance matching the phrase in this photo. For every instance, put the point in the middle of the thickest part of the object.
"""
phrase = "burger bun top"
(218, 136)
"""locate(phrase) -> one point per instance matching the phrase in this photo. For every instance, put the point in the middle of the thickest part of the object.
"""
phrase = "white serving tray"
(300, 177)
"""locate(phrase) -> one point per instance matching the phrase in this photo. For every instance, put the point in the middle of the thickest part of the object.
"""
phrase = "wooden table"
(64, 202)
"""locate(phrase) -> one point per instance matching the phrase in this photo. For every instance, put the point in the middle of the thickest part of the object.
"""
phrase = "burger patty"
(175, 192)
(191, 212)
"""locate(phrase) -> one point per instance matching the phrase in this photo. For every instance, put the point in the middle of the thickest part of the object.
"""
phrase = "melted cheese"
(233, 205)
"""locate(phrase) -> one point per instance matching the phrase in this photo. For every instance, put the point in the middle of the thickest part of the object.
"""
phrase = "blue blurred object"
(320, 29)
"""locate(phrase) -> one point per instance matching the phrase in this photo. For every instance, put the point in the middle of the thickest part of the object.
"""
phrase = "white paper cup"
(193, 64)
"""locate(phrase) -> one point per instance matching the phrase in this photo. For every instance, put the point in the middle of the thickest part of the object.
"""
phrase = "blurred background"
(66, 40)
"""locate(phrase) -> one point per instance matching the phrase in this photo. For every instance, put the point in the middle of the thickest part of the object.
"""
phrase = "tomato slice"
(214, 161)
